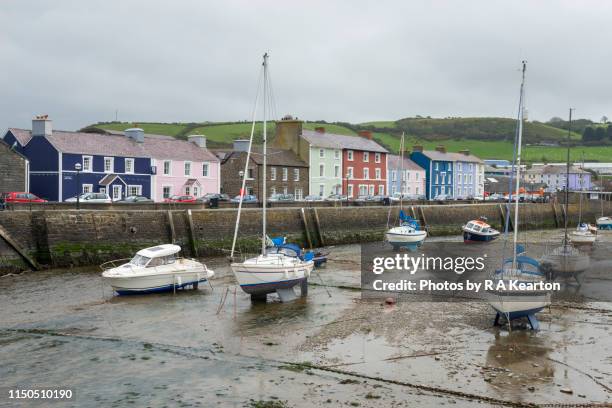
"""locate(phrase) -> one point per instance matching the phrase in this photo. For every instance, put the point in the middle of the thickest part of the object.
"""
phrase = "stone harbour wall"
(57, 238)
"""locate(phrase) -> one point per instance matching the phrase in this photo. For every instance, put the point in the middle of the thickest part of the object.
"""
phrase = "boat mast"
(518, 164)
(581, 190)
(567, 169)
(401, 175)
(265, 153)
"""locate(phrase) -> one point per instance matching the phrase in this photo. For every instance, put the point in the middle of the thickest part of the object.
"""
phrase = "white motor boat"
(154, 269)
(604, 223)
(583, 234)
(479, 231)
(405, 236)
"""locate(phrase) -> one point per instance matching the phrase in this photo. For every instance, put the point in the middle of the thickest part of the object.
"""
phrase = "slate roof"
(334, 141)
(276, 157)
(451, 156)
(113, 143)
(555, 170)
(393, 161)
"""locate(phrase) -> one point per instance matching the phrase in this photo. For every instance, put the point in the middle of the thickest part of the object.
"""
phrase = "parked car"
(246, 199)
(208, 196)
(336, 197)
(414, 197)
(180, 199)
(92, 198)
(494, 197)
(313, 198)
(376, 198)
(136, 199)
(362, 198)
(443, 197)
(21, 197)
(281, 197)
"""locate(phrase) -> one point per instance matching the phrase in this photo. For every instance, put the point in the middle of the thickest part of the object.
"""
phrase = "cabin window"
(139, 260)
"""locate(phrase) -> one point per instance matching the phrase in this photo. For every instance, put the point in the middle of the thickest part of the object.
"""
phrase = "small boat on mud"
(604, 223)
(154, 269)
(407, 235)
(583, 234)
(479, 231)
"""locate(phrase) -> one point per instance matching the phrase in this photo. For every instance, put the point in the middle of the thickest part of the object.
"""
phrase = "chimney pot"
(320, 129)
(366, 133)
(41, 125)
(441, 148)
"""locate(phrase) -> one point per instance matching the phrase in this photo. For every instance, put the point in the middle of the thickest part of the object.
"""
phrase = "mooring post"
(306, 227)
(318, 225)
(554, 208)
(171, 225)
(192, 238)
(423, 216)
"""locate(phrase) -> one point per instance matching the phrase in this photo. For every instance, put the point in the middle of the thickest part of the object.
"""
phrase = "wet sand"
(66, 329)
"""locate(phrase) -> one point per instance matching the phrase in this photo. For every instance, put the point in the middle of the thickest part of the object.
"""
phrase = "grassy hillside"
(487, 138)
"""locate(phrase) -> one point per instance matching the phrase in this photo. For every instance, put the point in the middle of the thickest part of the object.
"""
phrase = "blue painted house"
(114, 164)
(438, 165)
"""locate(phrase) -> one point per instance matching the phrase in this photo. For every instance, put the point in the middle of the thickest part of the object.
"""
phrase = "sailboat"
(507, 300)
(271, 271)
(408, 234)
(583, 233)
(566, 260)
(603, 222)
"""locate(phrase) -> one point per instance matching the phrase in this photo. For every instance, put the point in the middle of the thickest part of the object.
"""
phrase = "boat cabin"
(478, 226)
(156, 256)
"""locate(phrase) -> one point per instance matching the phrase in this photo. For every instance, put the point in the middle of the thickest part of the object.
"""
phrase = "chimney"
(41, 125)
(441, 148)
(320, 129)
(366, 134)
(417, 148)
(199, 140)
(287, 135)
(465, 152)
(136, 134)
(241, 145)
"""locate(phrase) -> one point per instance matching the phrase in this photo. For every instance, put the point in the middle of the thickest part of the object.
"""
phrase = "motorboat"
(604, 223)
(407, 235)
(273, 270)
(154, 269)
(583, 234)
(479, 231)
(513, 303)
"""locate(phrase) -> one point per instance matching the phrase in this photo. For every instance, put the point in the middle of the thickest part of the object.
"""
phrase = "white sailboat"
(583, 233)
(271, 271)
(508, 301)
(566, 260)
(408, 233)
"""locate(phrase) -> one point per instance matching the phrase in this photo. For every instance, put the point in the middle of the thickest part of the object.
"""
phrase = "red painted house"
(364, 166)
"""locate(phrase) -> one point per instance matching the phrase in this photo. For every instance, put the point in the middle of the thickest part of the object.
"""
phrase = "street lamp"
(78, 168)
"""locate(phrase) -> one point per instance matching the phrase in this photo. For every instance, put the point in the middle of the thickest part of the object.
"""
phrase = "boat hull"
(583, 237)
(471, 237)
(403, 237)
(154, 283)
(261, 279)
(604, 223)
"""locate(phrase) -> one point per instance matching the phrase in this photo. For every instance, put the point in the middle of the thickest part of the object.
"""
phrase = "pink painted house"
(182, 166)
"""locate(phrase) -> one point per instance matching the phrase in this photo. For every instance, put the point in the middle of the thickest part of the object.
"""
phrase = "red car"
(21, 197)
(180, 199)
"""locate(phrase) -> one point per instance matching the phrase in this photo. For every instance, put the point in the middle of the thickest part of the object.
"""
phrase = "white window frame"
(102, 190)
(336, 154)
(298, 194)
(125, 169)
(196, 191)
(349, 155)
(112, 164)
(272, 190)
(116, 187)
(321, 190)
(350, 190)
(366, 157)
(87, 169)
(285, 174)
(296, 174)
(381, 189)
(169, 191)
(86, 188)
(205, 169)
(393, 175)
(321, 170)
(272, 173)
(322, 153)
(169, 173)
(377, 173)
(187, 164)
(366, 173)
(377, 157)
(188, 190)
(350, 172)
(138, 188)
(371, 190)
(336, 170)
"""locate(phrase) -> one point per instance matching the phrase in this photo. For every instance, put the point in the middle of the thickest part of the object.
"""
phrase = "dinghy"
(155, 269)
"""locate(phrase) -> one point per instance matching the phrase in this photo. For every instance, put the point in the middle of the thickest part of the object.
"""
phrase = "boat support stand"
(533, 321)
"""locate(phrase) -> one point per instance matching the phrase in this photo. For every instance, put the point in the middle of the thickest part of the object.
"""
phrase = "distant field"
(381, 124)
(503, 150)
(170, 129)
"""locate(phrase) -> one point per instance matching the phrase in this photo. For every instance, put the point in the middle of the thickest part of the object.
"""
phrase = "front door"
(117, 192)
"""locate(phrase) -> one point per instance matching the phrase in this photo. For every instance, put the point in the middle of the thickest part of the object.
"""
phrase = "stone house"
(13, 170)
(286, 173)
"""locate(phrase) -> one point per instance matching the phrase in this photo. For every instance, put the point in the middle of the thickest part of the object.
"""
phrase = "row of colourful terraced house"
(300, 162)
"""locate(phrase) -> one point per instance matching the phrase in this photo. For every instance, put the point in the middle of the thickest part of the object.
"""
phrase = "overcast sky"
(194, 60)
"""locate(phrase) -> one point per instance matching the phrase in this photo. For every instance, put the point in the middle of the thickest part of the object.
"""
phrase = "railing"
(114, 263)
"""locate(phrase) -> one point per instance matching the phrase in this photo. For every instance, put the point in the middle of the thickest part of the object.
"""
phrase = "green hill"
(487, 138)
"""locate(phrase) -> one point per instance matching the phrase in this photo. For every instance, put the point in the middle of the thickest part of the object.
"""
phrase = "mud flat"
(65, 329)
